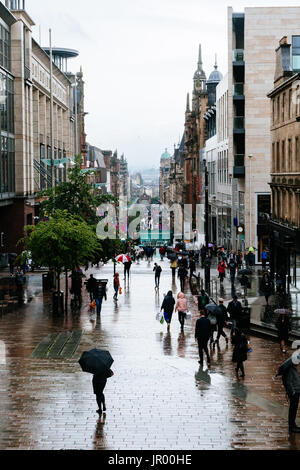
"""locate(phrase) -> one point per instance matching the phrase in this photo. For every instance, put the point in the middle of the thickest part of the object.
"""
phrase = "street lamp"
(250, 198)
(207, 262)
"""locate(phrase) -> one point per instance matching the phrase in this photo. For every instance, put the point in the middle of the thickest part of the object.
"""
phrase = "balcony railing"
(239, 123)
(239, 166)
(238, 55)
(238, 89)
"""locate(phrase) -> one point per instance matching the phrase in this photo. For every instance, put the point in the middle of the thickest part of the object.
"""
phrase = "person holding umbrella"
(98, 362)
(283, 326)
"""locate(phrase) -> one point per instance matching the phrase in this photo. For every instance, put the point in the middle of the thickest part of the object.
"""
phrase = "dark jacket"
(240, 348)
(235, 311)
(99, 381)
(91, 284)
(182, 272)
(266, 285)
(203, 300)
(222, 319)
(291, 380)
(100, 293)
(168, 304)
(203, 328)
(283, 328)
(192, 266)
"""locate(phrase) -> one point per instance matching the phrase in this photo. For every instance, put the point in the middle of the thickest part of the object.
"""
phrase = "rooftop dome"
(216, 75)
(166, 155)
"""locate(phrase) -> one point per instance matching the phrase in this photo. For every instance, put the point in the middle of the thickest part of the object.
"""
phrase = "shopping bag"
(188, 316)
(160, 318)
(93, 304)
(120, 291)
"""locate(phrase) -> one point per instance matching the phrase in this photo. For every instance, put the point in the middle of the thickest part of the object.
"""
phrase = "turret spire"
(188, 103)
(200, 63)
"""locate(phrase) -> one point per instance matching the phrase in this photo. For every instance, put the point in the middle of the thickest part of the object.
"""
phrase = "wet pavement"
(158, 399)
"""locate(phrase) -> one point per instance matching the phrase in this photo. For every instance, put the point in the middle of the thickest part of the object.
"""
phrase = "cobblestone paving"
(159, 398)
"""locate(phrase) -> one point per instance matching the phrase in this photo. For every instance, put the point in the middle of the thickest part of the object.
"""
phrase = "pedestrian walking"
(116, 285)
(239, 259)
(162, 252)
(235, 311)
(291, 382)
(240, 351)
(203, 256)
(232, 265)
(192, 268)
(202, 335)
(174, 266)
(283, 326)
(168, 307)
(264, 259)
(266, 286)
(182, 274)
(222, 321)
(127, 267)
(181, 308)
(91, 286)
(222, 270)
(157, 270)
(99, 383)
(99, 295)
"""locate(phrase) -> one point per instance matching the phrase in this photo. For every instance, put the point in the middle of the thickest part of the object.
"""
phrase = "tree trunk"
(67, 292)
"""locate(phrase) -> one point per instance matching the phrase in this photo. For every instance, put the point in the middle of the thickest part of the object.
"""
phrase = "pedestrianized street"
(159, 397)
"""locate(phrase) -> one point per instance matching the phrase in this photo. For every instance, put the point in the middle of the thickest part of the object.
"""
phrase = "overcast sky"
(138, 59)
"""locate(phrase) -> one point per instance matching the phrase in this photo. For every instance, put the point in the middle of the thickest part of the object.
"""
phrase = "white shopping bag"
(160, 318)
(188, 316)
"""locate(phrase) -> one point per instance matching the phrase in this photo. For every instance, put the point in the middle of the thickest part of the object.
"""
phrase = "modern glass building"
(7, 141)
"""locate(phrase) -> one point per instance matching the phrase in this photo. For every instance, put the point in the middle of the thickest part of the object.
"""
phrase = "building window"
(277, 157)
(273, 157)
(278, 109)
(290, 155)
(297, 157)
(296, 53)
(290, 104)
(283, 107)
(283, 155)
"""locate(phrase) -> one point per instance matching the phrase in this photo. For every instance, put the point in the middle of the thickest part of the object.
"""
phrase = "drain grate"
(58, 346)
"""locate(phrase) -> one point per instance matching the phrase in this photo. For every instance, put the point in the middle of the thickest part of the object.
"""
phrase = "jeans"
(157, 281)
(202, 345)
(294, 402)
(221, 332)
(182, 283)
(181, 318)
(116, 292)
(99, 305)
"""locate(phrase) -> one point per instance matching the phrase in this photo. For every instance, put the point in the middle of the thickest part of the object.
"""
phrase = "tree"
(64, 243)
(76, 196)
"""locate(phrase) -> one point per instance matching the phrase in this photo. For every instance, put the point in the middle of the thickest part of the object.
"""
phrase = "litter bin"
(58, 302)
(46, 284)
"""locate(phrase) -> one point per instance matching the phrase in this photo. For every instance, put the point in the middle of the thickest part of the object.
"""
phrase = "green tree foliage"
(77, 196)
(65, 242)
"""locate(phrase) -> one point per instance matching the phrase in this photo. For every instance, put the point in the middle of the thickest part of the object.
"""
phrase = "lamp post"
(207, 263)
(250, 199)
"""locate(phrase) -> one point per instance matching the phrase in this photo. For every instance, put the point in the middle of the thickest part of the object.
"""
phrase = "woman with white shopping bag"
(181, 308)
(168, 307)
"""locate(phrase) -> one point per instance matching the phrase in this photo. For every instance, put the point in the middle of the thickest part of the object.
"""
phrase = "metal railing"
(238, 89)
(238, 55)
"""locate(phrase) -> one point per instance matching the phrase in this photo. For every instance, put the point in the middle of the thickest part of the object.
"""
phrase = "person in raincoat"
(174, 266)
(168, 307)
(99, 383)
(181, 308)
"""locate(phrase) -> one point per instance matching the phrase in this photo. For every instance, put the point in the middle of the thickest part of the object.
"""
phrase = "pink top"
(181, 305)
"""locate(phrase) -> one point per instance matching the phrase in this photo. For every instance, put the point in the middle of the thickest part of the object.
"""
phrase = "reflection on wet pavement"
(159, 398)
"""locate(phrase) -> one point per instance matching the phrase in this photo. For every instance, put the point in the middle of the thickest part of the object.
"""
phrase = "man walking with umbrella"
(98, 362)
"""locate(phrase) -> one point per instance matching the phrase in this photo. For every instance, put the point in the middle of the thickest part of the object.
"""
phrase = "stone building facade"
(252, 38)
(285, 164)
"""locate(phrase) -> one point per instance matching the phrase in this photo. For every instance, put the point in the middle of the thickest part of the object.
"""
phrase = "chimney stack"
(283, 61)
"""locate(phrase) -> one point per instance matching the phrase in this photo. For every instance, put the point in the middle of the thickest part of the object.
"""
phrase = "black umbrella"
(244, 271)
(172, 256)
(213, 309)
(96, 361)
